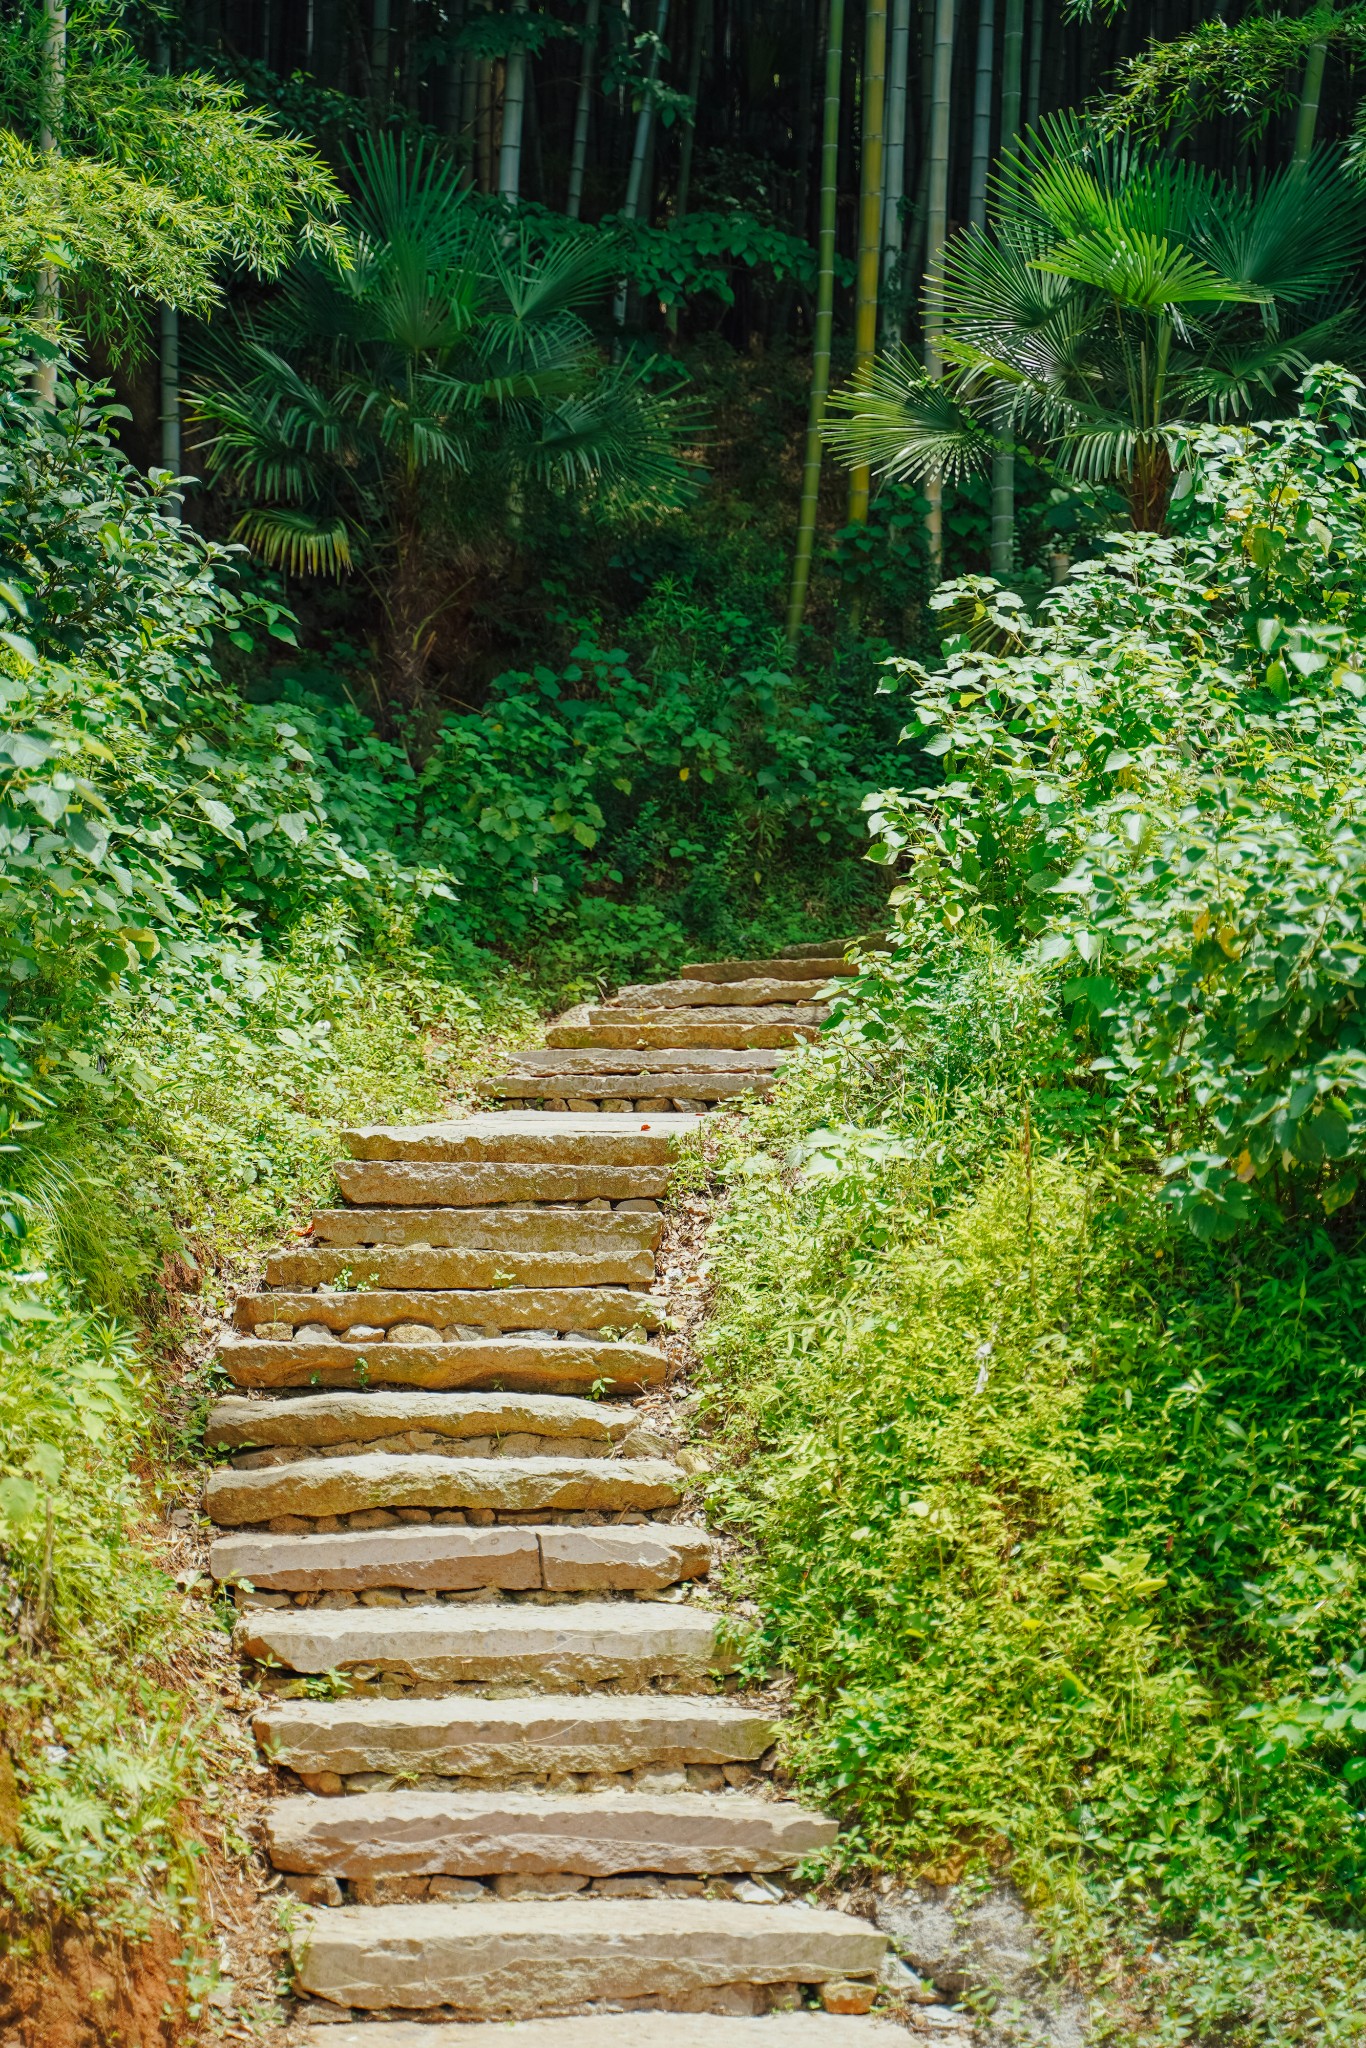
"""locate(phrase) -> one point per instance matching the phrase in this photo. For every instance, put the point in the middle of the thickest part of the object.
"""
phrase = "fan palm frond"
(906, 425)
(296, 541)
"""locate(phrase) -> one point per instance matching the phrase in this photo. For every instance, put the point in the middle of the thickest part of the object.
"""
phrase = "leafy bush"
(1161, 785)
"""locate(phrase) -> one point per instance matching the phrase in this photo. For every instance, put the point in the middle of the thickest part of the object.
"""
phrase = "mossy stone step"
(718, 995)
(809, 966)
(457, 1266)
(748, 1031)
(496, 1308)
(628, 2030)
(477, 1185)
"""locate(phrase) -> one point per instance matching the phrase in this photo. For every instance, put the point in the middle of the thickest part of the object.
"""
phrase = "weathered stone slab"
(628, 2030)
(644, 1032)
(585, 1642)
(513, 1737)
(498, 1308)
(506, 1138)
(565, 1060)
(639, 1558)
(813, 966)
(700, 1084)
(566, 1365)
(823, 948)
(707, 1016)
(378, 1479)
(456, 1266)
(360, 1417)
(519, 1230)
(482, 1834)
(475, 1186)
(717, 995)
(509, 1959)
(428, 1558)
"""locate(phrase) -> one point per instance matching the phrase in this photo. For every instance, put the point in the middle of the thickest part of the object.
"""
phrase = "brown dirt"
(77, 1992)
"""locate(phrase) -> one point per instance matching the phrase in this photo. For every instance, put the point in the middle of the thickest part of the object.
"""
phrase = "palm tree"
(1121, 299)
(394, 411)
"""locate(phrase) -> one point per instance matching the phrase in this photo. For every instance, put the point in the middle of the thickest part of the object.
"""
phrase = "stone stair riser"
(336, 1418)
(718, 995)
(631, 2029)
(511, 1737)
(643, 1066)
(502, 1960)
(540, 1365)
(708, 1087)
(609, 1028)
(406, 1266)
(485, 1834)
(354, 1485)
(536, 1141)
(421, 1185)
(441, 1309)
(557, 1558)
(809, 966)
(588, 1644)
(536, 1229)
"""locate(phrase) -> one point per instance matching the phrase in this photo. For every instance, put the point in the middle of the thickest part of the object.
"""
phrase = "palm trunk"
(981, 113)
(640, 154)
(1311, 93)
(47, 294)
(825, 317)
(870, 227)
(696, 58)
(936, 235)
(1003, 461)
(578, 160)
(894, 163)
(514, 111)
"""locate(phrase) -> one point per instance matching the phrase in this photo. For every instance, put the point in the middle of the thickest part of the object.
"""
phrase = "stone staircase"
(521, 1789)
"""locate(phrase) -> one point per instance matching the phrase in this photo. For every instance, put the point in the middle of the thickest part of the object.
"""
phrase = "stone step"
(706, 1016)
(455, 1266)
(809, 966)
(595, 1231)
(567, 1365)
(436, 1309)
(387, 1480)
(513, 1959)
(439, 1557)
(495, 1738)
(628, 2030)
(699, 1085)
(731, 1029)
(509, 1138)
(545, 1648)
(408, 1185)
(583, 1834)
(718, 995)
(823, 948)
(354, 1418)
(641, 1065)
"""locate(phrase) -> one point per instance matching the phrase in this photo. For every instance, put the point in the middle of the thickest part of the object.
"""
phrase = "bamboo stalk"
(47, 292)
(870, 227)
(1003, 461)
(894, 162)
(981, 113)
(578, 159)
(825, 317)
(640, 153)
(696, 58)
(936, 235)
(514, 110)
(1311, 92)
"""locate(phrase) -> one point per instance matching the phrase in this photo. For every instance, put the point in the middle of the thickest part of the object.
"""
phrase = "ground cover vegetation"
(513, 631)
